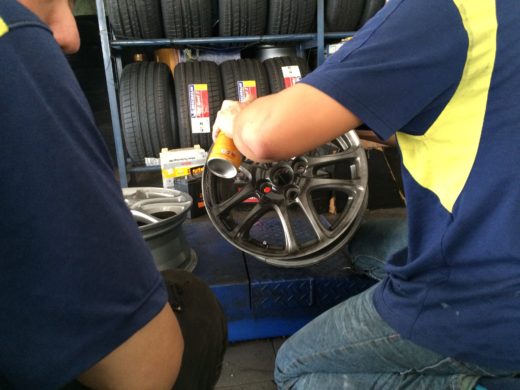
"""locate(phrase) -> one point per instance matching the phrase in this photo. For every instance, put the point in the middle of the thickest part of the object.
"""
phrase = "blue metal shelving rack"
(259, 300)
(113, 64)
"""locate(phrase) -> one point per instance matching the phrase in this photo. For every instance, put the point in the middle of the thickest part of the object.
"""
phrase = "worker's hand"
(225, 121)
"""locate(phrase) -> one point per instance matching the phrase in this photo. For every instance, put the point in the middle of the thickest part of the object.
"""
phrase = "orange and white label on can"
(246, 90)
(199, 108)
(291, 75)
(224, 158)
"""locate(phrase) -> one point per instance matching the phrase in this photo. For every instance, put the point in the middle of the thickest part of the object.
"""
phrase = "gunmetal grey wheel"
(292, 213)
(159, 214)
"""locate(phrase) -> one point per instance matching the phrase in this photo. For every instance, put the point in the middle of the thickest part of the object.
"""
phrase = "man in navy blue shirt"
(443, 77)
(80, 296)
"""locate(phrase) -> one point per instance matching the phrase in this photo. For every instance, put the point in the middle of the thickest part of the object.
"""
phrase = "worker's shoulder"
(13, 16)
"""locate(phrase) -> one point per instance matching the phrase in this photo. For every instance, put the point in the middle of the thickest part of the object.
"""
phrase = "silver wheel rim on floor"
(160, 213)
(279, 212)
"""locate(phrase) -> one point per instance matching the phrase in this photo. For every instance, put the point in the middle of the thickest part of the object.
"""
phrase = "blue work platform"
(262, 301)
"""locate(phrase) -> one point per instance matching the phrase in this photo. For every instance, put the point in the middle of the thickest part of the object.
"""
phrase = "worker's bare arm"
(369, 135)
(148, 360)
(286, 124)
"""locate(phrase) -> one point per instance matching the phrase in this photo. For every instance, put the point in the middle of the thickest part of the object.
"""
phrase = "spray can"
(224, 158)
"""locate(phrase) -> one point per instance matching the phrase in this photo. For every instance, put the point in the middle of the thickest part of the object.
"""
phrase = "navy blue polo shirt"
(444, 76)
(76, 277)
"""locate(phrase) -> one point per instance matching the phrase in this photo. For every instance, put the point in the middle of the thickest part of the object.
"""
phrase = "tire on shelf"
(242, 17)
(343, 15)
(235, 73)
(291, 16)
(147, 110)
(135, 18)
(192, 79)
(186, 18)
(275, 68)
(371, 8)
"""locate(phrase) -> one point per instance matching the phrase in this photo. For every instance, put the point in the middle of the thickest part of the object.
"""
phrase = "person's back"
(457, 289)
(443, 76)
(80, 294)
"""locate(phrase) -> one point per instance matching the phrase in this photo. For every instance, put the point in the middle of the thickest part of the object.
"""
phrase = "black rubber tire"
(186, 18)
(135, 18)
(242, 17)
(240, 70)
(371, 8)
(273, 67)
(147, 110)
(204, 329)
(343, 15)
(197, 72)
(291, 16)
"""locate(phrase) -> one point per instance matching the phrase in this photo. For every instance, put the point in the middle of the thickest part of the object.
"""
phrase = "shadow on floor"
(249, 365)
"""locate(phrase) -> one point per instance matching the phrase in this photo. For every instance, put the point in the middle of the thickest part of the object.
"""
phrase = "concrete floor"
(249, 365)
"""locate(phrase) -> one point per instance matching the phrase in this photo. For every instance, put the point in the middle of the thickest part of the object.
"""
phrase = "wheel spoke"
(312, 217)
(291, 244)
(241, 229)
(331, 159)
(143, 217)
(347, 185)
(235, 200)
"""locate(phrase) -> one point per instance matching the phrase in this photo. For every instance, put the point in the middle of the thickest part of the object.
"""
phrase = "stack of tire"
(160, 112)
(147, 108)
(349, 15)
(160, 18)
(175, 19)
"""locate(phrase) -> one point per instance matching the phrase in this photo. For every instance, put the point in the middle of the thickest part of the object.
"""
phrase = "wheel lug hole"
(292, 194)
(299, 168)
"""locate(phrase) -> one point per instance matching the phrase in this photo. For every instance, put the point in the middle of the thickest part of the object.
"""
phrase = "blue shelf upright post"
(112, 98)
(320, 38)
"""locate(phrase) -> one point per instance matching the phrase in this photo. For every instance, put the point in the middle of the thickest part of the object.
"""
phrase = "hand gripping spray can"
(224, 158)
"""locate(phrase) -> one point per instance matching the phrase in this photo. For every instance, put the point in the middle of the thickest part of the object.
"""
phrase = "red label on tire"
(199, 108)
(291, 75)
(246, 90)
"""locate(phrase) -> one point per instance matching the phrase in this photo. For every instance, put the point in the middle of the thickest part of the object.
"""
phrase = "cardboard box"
(178, 163)
(192, 185)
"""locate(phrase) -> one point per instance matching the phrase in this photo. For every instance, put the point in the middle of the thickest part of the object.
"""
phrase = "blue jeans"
(351, 347)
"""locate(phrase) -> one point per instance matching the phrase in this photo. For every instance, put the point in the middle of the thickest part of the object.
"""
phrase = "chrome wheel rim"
(159, 213)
